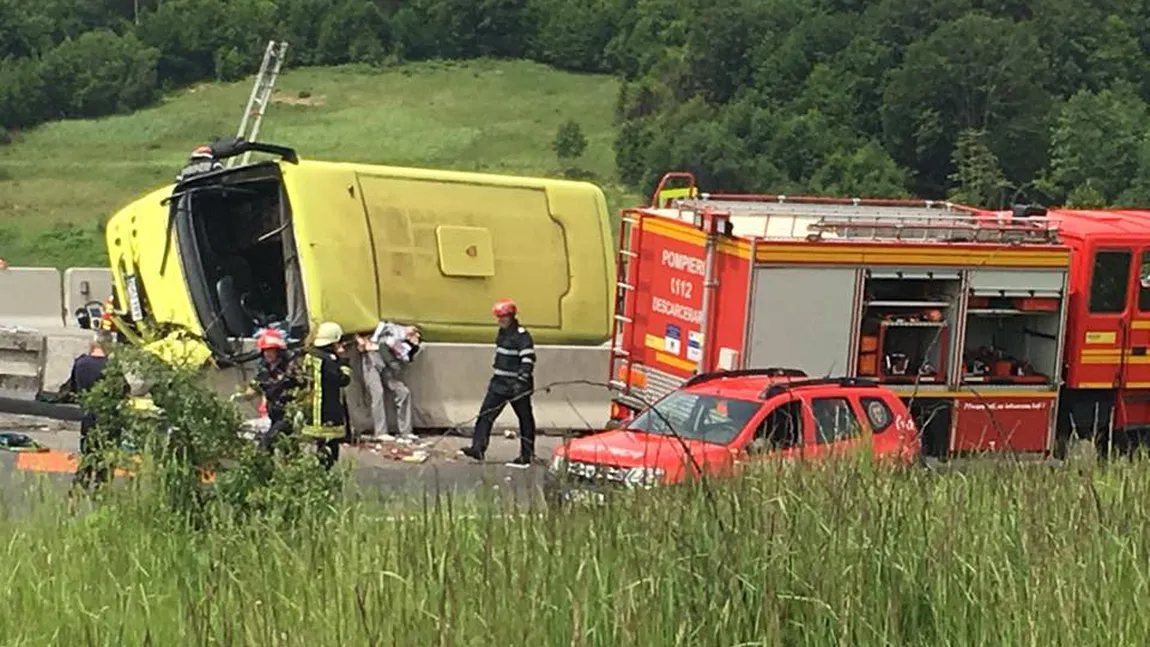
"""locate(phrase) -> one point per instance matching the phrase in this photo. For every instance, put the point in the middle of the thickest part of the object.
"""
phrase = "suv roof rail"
(770, 371)
(776, 389)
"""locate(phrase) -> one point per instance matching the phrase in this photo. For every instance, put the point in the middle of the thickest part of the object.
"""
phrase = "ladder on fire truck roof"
(261, 95)
(623, 326)
(902, 220)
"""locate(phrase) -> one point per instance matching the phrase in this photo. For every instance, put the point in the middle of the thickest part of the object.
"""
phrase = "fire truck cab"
(962, 312)
(1106, 380)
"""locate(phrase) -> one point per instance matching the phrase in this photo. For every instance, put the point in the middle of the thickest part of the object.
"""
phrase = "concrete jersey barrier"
(21, 364)
(83, 285)
(31, 298)
(448, 382)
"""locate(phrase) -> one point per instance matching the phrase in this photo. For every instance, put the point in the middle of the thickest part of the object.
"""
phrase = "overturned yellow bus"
(296, 242)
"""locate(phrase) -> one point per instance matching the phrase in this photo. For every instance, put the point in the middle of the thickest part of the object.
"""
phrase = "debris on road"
(416, 457)
(14, 442)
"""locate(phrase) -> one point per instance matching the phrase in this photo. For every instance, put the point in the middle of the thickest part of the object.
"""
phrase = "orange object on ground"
(55, 461)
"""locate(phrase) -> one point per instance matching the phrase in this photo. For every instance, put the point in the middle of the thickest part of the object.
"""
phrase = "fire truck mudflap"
(963, 315)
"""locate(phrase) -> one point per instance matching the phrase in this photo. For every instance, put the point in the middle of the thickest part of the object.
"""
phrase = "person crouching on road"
(512, 382)
(276, 381)
(327, 373)
(390, 349)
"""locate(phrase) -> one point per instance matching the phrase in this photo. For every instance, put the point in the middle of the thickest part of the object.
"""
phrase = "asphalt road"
(375, 468)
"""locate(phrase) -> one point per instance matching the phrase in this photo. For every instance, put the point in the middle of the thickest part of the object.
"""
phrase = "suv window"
(834, 420)
(781, 429)
(878, 414)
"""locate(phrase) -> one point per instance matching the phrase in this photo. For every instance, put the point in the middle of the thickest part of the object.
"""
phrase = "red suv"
(718, 421)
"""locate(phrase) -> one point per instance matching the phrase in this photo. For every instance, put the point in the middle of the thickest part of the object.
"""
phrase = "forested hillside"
(975, 99)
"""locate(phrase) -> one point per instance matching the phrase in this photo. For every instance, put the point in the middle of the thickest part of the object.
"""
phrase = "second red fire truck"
(1002, 331)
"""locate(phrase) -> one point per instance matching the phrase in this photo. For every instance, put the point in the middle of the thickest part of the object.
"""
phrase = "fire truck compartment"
(907, 322)
(798, 317)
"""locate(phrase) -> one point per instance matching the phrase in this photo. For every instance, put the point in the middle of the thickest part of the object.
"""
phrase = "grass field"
(828, 555)
(59, 181)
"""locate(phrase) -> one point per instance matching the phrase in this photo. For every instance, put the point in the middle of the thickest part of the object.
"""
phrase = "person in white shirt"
(385, 354)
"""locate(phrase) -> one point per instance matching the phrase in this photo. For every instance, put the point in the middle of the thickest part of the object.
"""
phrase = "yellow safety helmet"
(329, 332)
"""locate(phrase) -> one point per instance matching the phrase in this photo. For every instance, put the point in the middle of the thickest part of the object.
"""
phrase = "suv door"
(837, 425)
(781, 431)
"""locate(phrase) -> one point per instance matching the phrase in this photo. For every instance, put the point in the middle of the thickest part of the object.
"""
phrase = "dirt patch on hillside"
(299, 99)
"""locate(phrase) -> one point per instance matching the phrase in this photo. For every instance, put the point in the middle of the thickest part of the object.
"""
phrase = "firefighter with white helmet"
(325, 373)
(512, 382)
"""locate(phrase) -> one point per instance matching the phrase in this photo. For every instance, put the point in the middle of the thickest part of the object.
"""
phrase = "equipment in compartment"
(906, 325)
(1011, 339)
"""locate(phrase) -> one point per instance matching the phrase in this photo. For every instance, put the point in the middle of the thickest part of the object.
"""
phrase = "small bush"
(570, 143)
(196, 435)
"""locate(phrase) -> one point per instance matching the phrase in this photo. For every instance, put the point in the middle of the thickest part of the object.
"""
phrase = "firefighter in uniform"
(326, 373)
(512, 382)
(276, 381)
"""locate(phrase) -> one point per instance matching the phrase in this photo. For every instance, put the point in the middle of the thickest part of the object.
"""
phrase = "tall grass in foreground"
(819, 555)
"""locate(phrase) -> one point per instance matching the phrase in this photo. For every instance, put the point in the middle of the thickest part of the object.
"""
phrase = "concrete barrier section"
(30, 297)
(21, 364)
(62, 347)
(82, 285)
(448, 382)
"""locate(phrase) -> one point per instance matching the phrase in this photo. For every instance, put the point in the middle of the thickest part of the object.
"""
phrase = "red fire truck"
(1002, 331)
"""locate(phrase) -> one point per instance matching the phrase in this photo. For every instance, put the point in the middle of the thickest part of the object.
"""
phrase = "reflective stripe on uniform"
(316, 391)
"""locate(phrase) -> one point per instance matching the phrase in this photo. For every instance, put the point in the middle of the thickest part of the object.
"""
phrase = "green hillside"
(59, 181)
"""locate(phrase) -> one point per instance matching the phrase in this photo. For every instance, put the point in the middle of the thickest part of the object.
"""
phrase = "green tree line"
(984, 101)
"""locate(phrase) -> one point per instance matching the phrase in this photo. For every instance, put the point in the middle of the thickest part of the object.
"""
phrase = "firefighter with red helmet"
(512, 382)
(276, 381)
(202, 160)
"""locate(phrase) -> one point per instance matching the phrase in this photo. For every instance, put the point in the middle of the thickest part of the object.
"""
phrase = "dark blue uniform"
(278, 383)
(87, 370)
(512, 382)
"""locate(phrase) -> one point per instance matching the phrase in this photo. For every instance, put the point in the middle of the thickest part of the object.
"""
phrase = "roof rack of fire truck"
(904, 220)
